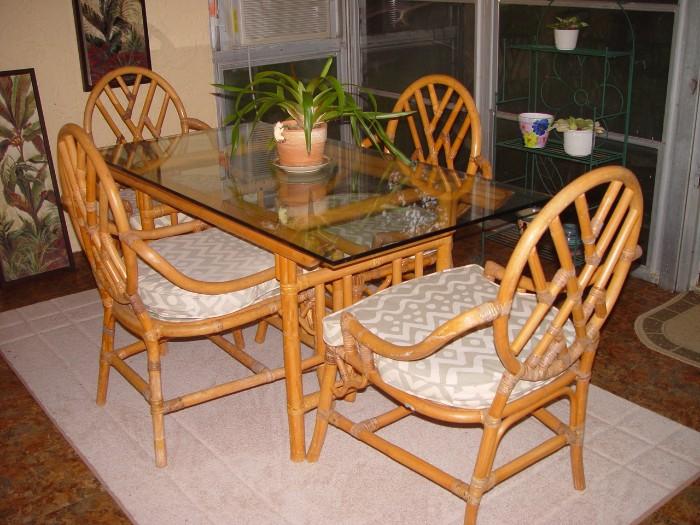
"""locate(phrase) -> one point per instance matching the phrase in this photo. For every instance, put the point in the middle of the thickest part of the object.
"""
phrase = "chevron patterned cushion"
(209, 255)
(466, 372)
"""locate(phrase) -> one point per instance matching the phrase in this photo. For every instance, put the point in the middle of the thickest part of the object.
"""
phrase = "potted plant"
(566, 32)
(579, 134)
(301, 138)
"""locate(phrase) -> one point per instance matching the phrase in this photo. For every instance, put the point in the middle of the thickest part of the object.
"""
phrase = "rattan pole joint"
(545, 297)
(596, 226)
(137, 305)
(488, 420)
(631, 254)
(508, 382)
(460, 489)
(368, 425)
(562, 276)
(593, 259)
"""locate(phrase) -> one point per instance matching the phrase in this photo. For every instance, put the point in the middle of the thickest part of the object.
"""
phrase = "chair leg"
(482, 470)
(578, 423)
(325, 404)
(106, 349)
(156, 401)
(261, 332)
(238, 339)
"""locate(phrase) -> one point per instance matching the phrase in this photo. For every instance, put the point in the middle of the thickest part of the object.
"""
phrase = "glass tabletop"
(356, 205)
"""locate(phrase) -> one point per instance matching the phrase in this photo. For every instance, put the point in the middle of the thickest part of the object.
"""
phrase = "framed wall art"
(111, 34)
(33, 235)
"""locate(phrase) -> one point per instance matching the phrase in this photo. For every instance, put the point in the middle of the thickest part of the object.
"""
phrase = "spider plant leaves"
(321, 99)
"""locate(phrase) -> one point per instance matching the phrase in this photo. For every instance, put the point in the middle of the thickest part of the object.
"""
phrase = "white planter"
(565, 39)
(579, 143)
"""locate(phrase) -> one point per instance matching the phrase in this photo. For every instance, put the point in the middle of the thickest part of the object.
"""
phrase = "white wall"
(41, 34)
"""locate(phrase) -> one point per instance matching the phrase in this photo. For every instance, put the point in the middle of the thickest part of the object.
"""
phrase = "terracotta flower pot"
(292, 149)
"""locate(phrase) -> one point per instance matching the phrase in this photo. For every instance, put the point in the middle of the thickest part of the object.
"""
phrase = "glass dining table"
(358, 212)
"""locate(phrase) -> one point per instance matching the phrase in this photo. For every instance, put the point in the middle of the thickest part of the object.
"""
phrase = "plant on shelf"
(571, 22)
(566, 32)
(310, 106)
(579, 134)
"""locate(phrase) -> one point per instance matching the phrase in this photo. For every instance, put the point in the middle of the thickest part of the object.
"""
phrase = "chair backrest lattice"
(92, 200)
(445, 115)
(570, 300)
(136, 104)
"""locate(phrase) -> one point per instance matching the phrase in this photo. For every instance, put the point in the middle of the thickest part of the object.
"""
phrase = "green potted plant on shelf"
(310, 106)
(566, 32)
(579, 134)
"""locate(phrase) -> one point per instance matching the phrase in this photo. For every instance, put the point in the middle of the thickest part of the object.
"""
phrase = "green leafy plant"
(573, 124)
(321, 99)
(571, 22)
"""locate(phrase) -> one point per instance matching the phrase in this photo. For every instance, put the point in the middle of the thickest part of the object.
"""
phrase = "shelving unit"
(579, 82)
(568, 69)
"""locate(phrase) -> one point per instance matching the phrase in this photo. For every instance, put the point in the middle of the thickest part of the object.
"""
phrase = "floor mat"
(229, 459)
(673, 328)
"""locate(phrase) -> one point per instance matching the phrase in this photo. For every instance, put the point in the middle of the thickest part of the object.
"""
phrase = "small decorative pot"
(565, 39)
(579, 142)
(535, 128)
(292, 149)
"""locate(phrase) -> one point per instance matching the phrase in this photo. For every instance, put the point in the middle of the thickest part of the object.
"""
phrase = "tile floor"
(43, 480)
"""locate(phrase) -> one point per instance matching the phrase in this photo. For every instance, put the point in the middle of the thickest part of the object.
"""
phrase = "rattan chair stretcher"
(545, 327)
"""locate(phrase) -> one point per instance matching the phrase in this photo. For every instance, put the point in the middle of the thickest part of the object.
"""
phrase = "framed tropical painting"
(33, 236)
(111, 34)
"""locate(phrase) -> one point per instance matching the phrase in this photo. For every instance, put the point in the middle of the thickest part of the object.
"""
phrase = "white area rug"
(228, 459)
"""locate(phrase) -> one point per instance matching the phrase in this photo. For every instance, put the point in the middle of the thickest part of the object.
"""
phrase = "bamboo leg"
(156, 400)
(319, 314)
(261, 332)
(106, 349)
(323, 411)
(482, 470)
(238, 338)
(292, 357)
(578, 423)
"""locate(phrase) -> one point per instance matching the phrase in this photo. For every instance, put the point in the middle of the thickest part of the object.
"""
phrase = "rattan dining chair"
(136, 103)
(175, 282)
(445, 116)
(458, 348)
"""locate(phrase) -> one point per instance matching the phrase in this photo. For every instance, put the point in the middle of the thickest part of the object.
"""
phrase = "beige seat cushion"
(464, 373)
(209, 255)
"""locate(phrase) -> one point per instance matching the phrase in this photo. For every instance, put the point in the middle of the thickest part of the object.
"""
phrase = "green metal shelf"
(555, 148)
(541, 48)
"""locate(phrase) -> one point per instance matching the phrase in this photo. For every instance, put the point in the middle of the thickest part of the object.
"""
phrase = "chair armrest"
(167, 270)
(170, 231)
(196, 125)
(438, 338)
(495, 272)
(484, 167)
